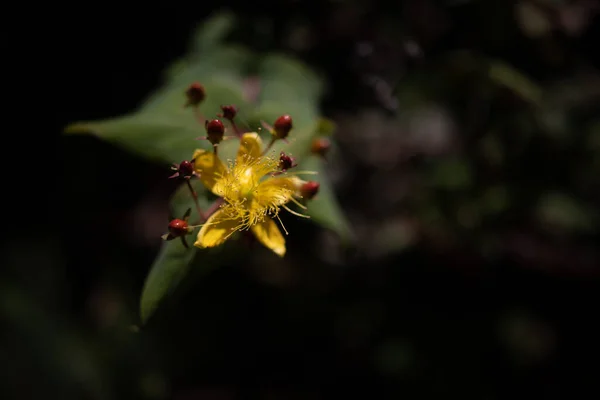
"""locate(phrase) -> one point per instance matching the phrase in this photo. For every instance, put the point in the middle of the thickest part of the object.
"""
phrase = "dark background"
(421, 322)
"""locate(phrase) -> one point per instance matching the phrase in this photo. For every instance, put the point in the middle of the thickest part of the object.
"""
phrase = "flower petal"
(209, 167)
(216, 230)
(275, 192)
(250, 146)
(269, 234)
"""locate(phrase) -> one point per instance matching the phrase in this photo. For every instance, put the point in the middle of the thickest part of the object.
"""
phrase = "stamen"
(299, 204)
(294, 212)
(306, 173)
(281, 223)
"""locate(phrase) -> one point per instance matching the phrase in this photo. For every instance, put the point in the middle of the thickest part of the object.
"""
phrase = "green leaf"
(325, 127)
(452, 174)
(565, 212)
(324, 209)
(288, 87)
(288, 79)
(506, 76)
(212, 32)
(174, 259)
(225, 63)
(163, 129)
(167, 272)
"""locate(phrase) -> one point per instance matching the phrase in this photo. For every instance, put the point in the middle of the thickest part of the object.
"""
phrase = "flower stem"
(269, 146)
(199, 116)
(214, 207)
(237, 130)
(202, 216)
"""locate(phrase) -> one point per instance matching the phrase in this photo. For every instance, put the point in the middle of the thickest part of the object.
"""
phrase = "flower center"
(239, 185)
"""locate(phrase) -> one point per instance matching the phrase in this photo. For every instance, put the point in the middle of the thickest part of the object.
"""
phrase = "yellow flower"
(252, 195)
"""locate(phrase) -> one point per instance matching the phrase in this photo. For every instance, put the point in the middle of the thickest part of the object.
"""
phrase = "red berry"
(178, 227)
(320, 146)
(186, 169)
(229, 112)
(195, 94)
(215, 131)
(282, 126)
(309, 189)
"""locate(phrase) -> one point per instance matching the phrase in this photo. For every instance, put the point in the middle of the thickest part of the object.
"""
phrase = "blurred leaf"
(532, 20)
(565, 212)
(212, 32)
(324, 209)
(492, 148)
(229, 64)
(325, 127)
(555, 122)
(451, 173)
(593, 139)
(495, 200)
(393, 236)
(506, 76)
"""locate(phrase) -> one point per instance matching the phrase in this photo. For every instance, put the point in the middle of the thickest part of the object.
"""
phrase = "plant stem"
(199, 116)
(214, 207)
(269, 146)
(237, 130)
(202, 216)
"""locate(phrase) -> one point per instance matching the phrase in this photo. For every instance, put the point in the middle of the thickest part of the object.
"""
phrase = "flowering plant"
(238, 172)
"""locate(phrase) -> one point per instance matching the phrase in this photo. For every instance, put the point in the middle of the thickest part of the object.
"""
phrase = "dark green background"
(428, 320)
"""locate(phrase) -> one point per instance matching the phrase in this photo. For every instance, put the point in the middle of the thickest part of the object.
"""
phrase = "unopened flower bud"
(228, 112)
(215, 131)
(282, 127)
(309, 189)
(195, 94)
(178, 227)
(286, 162)
(184, 170)
(320, 146)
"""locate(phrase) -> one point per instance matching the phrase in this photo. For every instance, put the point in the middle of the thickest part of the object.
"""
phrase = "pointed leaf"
(212, 32)
(324, 209)
(505, 75)
(173, 261)
(163, 129)
(167, 272)
(566, 212)
(287, 86)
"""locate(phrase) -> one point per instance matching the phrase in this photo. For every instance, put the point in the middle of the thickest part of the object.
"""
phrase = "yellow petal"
(275, 191)
(250, 146)
(268, 234)
(216, 230)
(210, 168)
